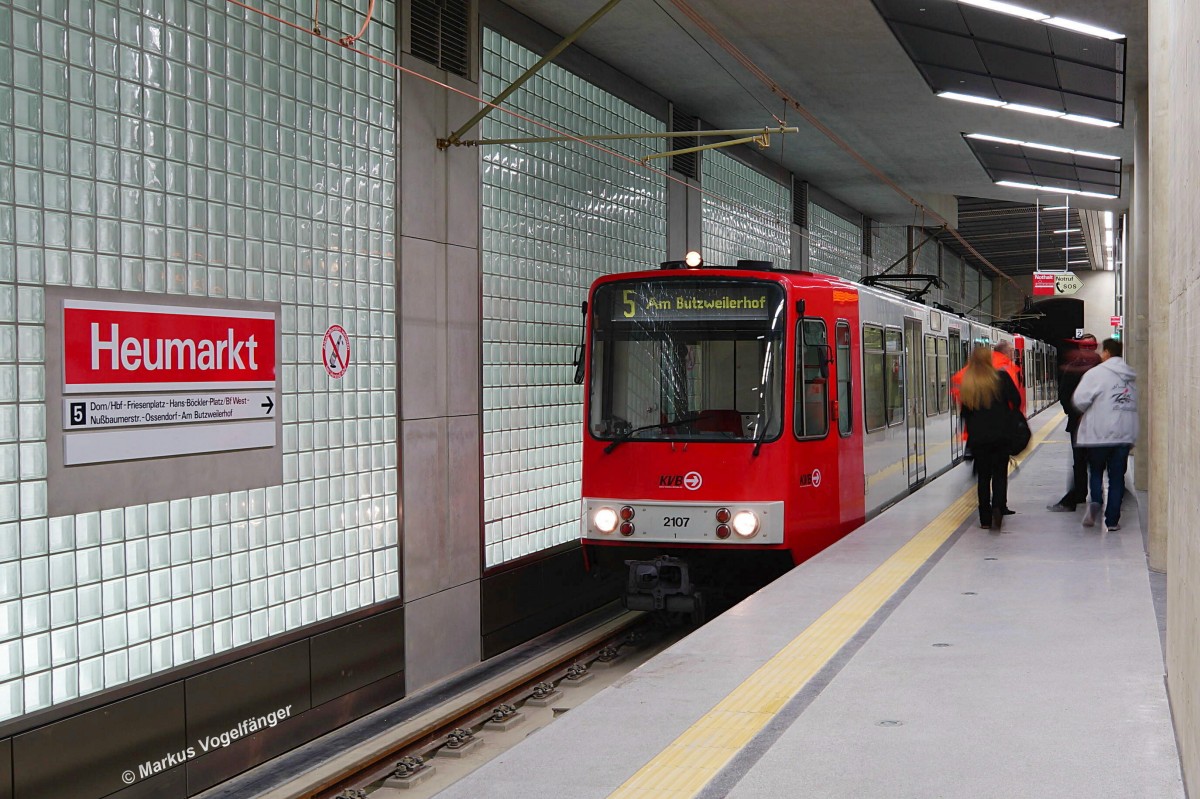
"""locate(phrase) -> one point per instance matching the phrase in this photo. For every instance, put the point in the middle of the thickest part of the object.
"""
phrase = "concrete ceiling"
(840, 60)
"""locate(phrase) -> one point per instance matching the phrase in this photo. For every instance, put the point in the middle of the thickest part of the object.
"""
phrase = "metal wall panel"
(354, 656)
(138, 741)
(520, 604)
(219, 700)
(6, 775)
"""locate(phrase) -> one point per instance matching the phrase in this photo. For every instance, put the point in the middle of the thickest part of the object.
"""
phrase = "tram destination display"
(695, 301)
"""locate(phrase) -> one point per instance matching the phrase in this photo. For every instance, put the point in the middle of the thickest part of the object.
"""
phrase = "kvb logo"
(691, 481)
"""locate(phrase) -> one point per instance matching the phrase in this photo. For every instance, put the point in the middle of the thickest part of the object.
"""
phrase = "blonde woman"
(988, 397)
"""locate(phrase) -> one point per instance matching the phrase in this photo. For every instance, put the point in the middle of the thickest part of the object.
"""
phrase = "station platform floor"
(921, 656)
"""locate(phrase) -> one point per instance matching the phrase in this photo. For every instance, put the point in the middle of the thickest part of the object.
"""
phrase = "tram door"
(915, 410)
(956, 363)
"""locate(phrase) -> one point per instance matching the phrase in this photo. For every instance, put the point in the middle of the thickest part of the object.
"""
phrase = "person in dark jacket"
(1079, 361)
(988, 398)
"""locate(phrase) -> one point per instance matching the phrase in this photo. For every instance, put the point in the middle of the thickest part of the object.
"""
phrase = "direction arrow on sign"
(1067, 283)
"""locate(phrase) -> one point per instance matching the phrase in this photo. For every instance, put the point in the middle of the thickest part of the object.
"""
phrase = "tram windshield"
(684, 359)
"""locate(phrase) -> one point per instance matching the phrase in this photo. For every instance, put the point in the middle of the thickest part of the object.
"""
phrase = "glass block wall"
(555, 217)
(985, 296)
(187, 147)
(891, 243)
(952, 276)
(835, 244)
(927, 264)
(970, 301)
(745, 214)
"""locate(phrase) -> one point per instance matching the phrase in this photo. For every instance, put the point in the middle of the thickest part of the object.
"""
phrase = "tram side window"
(893, 369)
(874, 386)
(943, 359)
(812, 417)
(845, 397)
(931, 376)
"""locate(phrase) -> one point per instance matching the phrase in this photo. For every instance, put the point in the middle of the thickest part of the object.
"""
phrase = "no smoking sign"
(335, 351)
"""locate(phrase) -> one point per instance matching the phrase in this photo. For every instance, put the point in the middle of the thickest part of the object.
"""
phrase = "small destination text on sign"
(135, 347)
(89, 413)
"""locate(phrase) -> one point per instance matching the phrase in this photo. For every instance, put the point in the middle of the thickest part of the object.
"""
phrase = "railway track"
(435, 749)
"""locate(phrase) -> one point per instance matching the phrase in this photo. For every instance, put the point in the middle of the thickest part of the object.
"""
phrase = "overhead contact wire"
(774, 86)
(412, 73)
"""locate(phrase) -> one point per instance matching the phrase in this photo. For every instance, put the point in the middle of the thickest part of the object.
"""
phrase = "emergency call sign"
(109, 346)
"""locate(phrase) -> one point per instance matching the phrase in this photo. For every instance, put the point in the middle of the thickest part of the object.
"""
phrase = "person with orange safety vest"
(1001, 359)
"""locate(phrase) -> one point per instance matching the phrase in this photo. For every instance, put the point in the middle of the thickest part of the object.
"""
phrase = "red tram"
(741, 419)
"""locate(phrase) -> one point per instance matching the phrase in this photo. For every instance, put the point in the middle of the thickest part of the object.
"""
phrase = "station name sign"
(663, 301)
(127, 347)
(144, 381)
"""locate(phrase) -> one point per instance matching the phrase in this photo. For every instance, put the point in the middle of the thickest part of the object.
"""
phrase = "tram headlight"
(745, 523)
(605, 520)
(693, 259)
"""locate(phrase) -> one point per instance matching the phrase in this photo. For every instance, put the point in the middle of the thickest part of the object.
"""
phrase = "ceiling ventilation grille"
(800, 203)
(687, 164)
(440, 31)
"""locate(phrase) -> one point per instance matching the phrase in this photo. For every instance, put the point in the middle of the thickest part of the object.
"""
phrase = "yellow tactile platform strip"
(687, 764)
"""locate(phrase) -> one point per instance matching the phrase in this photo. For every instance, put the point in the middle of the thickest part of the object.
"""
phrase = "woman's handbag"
(1018, 432)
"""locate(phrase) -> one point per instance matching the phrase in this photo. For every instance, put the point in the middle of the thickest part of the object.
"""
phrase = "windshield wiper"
(616, 442)
(762, 433)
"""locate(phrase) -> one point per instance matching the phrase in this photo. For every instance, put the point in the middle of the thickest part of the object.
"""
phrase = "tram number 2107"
(676, 521)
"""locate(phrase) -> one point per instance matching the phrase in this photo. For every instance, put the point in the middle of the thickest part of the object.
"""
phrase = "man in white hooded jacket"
(1107, 398)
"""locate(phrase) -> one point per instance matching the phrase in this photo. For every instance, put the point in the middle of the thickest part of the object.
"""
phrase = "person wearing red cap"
(1080, 359)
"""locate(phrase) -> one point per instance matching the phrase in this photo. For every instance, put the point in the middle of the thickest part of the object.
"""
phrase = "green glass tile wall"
(189, 147)
(971, 295)
(927, 264)
(555, 217)
(952, 276)
(835, 244)
(891, 243)
(745, 213)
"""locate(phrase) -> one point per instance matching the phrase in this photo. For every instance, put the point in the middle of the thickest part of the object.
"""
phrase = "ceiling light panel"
(1006, 8)
(1074, 25)
(1046, 167)
(1005, 55)
(1053, 148)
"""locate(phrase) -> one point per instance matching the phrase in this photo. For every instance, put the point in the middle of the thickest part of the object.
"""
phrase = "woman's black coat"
(989, 426)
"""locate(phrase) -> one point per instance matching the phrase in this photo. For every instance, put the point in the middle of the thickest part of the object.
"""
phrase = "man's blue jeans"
(1112, 459)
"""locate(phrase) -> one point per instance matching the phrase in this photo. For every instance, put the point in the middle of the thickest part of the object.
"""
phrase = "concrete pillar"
(439, 219)
(1137, 279)
(1159, 363)
(801, 248)
(684, 217)
(1174, 317)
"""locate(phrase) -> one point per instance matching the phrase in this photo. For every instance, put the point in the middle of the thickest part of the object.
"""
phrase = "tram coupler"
(661, 584)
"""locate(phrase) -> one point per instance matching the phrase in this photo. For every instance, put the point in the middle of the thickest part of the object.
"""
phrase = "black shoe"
(1007, 511)
(1061, 507)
